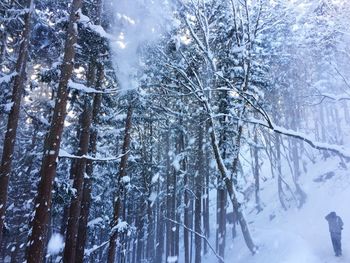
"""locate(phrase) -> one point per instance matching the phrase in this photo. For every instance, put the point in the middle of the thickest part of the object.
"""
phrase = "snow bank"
(298, 235)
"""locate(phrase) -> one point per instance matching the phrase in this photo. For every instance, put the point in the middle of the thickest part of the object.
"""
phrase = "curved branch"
(200, 235)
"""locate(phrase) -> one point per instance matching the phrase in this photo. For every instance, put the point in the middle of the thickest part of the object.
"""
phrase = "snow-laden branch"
(85, 89)
(204, 27)
(98, 29)
(338, 149)
(198, 234)
(101, 31)
(88, 252)
(64, 154)
(7, 78)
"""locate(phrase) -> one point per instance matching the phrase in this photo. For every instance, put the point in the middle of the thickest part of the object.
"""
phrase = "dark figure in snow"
(335, 227)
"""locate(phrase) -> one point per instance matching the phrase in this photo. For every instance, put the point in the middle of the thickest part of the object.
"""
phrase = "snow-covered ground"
(298, 235)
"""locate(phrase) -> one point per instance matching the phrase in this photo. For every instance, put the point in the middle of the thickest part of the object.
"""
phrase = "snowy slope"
(298, 235)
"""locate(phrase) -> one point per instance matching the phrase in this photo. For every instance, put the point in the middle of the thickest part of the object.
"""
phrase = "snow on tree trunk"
(86, 197)
(119, 193)
(38, 234)
(12, 121)
(198, 192)
(78, 172)
(229, 186)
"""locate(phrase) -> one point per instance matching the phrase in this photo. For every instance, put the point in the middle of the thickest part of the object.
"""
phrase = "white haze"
(135, 23)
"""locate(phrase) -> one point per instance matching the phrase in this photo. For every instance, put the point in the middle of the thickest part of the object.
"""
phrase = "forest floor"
(298, 235)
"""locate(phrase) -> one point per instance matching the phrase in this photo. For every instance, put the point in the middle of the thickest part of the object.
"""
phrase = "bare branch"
(200, 235)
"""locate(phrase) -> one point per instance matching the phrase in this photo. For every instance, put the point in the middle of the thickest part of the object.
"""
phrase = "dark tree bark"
(38, 236)
(279, 171)
(295, 147)
(177, 196)
(150, 211)
(93, 9)
(160, 235)
(160, 221)
(198, 200)
(170, 197)
(119, 194)
(65, 216)
(78, 173)
(228, 182)
(206, 224)
(139, 234)
(86, 197)
(221, 199)
(171, 214)
(3, 36)
(256, 169)
(221, 218)
(150, 233)
(12, 121)
(186, 220)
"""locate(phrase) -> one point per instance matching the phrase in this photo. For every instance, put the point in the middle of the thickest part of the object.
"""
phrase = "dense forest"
(171, 131)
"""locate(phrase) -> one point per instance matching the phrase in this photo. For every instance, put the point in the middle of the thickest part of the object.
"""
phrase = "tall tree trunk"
(94, 10)
(323, 129)
(139, 234)
(191, 209)
(279, 171)
(339, 134)
(296, 174)
(160, 220)
(12, 121)
(177, 200)
(206, 198)
(150, 233)
(346, 112)
(119, 194)
(78, 173)
(228, 182)
(256, 170)
(221, 190)
(3, 37)
(295, 145)
(160, 235)
(221, 218)
(173, 215)
(169, 232)
(38, 235)
(150, 210)
(186, 220)
(317, 125)
(160, 227)
(186, 207)
(86, 198)
(198, 196)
